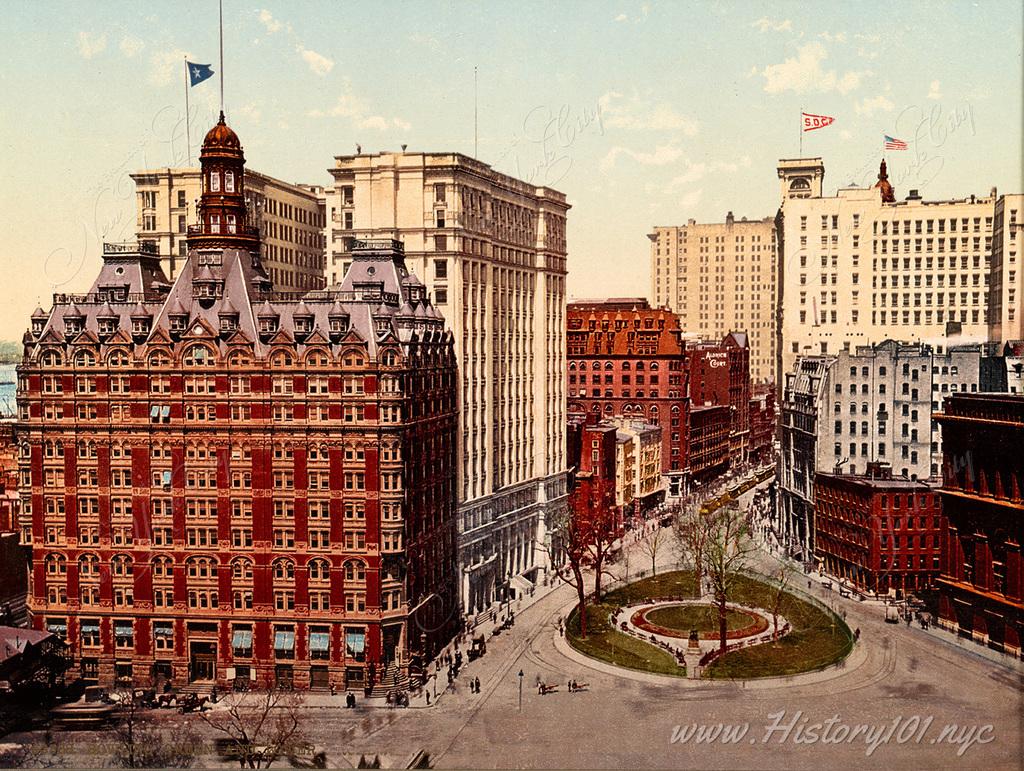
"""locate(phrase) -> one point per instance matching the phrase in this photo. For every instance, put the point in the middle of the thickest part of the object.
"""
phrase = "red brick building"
(877, 532)
(709, 437)
(228, 482)
(981, 589)
(591, 450)
(626, 358)
(720, 374)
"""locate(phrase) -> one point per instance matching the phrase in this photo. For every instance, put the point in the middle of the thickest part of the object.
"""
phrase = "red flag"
(812, 122)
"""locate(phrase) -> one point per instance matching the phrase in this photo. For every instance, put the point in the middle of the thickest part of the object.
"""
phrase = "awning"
(123, 628)
(154, 411)
(284, 641)
(319, 641)
(57, 627)
(163, 629)
(521, 584)
(166, 477)
(242, 638)
(355, 641)
(90, 625)
(165, 411)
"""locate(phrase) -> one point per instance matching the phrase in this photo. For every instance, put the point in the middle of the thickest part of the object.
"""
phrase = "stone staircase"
(393, 679)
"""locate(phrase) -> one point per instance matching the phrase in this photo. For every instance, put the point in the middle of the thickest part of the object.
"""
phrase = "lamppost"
(520, 690)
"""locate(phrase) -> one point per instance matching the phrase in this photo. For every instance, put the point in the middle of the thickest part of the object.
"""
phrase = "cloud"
(830, 37)
(764, 24)
(935, 90)
(662, 155)
(870, 105)
(252, 111)
(268, 21)
(638, 114)
(694, 172)
(622, 17)
(351, 106)
(804, 73)
(691, 199)
(131, 46)
(318, 63)
(90, 45)
(164, 65)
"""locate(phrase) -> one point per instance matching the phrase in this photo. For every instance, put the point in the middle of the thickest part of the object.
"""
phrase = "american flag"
(892, 143)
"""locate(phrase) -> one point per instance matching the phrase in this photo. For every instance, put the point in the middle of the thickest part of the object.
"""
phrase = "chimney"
(729, 219)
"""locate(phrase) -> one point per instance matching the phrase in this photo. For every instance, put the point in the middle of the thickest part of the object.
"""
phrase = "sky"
(642, 113)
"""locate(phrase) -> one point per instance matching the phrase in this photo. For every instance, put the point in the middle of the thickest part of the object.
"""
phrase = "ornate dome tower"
(223, 218)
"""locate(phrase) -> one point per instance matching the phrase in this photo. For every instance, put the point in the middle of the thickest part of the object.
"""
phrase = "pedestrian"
(477, 681)
(568, 686)
(856, 633)
(428, 697)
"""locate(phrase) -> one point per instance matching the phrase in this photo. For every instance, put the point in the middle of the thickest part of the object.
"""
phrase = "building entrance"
(202, 661)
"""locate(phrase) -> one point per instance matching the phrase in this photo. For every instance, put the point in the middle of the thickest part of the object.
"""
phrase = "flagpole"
(188, 131)
(221, 8)
(801, 127)
(476, 153)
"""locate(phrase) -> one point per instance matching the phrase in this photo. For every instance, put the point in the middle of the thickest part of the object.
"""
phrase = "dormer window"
(229, 322)
(178, 323)
(37, 326)
(73, 325)
(140, 326)
(338, 324)
(268, 324)
(108, 326)
(229, 181)
(383, 324)
(214, 182)
(303, 324)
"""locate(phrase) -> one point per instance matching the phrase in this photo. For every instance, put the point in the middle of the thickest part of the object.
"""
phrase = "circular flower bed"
(676, 620)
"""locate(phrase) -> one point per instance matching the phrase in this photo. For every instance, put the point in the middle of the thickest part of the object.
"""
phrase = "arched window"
(88, 566)
(281, 359)
(159, 359)
(241, 570)
(353, 360)
(51, 358)
(654, 366)
(572, 366)
(121, 565)
(319, 571)
(609, 366)
(317, 358)
(284, 570)
(198, 356)
(239, 359)
(626, 366)
(163, 567)
(117, 358)
(85, 359)
(202, 567)
(355, 570)
(389, 358)
(56, 564)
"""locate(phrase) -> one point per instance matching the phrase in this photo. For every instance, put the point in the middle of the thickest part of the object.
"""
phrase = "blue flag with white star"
(197, 73)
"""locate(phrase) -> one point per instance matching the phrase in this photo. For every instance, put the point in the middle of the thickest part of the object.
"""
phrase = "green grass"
(817, 639)
(703, 618)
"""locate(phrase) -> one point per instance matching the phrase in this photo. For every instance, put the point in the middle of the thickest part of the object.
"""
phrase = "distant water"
(8, 386)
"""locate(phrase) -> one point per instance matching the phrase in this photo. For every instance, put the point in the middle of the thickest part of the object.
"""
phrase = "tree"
(259, 726)
(652, 544)
(49, 751)
(781, 580)
(140, 743)
(727, 549)
(690, 528)
(572, 539)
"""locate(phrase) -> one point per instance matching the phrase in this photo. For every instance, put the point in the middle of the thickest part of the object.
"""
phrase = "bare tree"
(726, 551)
(49, 751)
(140, 743)
(652, 544)
(573, 542)
(258, 727)
(690, 528)
(781, 581)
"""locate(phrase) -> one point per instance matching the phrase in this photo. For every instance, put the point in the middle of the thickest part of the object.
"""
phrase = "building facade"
(981, 589)
(646, 440)
(492, 251)
(718, 278)
(709, 439)
(1006, 303)
(227, 483)
(290, 219)
(591, 451)
(859, 267)
(878, 533)
(763, 416)
(626, 358)
(720, 374)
